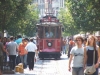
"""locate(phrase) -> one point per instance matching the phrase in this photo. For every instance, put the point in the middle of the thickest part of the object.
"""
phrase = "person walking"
(1, 55)
(89, 53)
(4, 45)
(19, 39)
(71, 44)
(31, 48)
(12, 49)
(77, 55)
(98, 41)
(64, 43)
(23, 52)
(85, 42)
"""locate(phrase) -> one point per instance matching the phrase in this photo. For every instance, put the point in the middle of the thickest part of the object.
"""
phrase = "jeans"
(77, 71)
(24, 60)
(64, 49)
(70, 47)
(5, 56)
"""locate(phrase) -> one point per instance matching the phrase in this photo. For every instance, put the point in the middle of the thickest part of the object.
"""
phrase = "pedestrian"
(1, 55)
(31, 48)
(23, 52)
(98, 41)
(71, 44)
(12, 49)
(27, 40)
(77, 55)
(64, 43)
(4, 45)
(19, 39)
(89, 53)
(85, 42)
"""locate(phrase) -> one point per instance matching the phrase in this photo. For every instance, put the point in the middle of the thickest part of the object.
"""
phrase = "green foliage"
(16, 15)
(85, 14)
(68, 22)
(31, 20)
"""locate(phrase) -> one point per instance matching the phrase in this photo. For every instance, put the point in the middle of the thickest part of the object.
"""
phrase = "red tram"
(49, 37)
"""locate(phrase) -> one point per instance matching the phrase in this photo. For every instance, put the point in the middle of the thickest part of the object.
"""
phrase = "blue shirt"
(18, 41)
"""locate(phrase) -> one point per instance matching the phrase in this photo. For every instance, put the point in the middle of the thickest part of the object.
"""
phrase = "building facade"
(49, 6)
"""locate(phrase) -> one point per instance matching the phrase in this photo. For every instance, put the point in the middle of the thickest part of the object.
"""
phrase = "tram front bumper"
(49, 55)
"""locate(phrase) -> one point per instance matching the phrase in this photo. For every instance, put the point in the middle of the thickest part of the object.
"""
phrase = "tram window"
(40, 32)
(58, 32)
(46, 32)
(49, 32)
(52, 32)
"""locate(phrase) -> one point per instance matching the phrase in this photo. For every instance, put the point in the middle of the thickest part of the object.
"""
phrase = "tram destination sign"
(49, 19)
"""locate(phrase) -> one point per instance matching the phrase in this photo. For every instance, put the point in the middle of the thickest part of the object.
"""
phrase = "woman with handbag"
(92, 56)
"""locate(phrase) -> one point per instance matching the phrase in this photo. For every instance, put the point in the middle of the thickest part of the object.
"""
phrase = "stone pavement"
(48, 67)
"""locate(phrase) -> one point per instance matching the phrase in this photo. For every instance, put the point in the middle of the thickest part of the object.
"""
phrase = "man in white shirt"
(31, 48)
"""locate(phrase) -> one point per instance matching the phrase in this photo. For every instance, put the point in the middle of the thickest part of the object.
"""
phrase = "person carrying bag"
(91, 56)
(91, 69)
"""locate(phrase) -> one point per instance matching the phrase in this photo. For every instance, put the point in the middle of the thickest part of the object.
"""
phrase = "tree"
(13, 16)
(32, 18)
(85, 14)
(68, 22)
(17, 21)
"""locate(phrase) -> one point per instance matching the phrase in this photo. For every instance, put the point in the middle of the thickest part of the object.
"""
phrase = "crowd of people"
(80, 52)
(67, 45)
(11, 49)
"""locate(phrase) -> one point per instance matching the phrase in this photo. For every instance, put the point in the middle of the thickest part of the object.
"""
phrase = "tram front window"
(49, 32)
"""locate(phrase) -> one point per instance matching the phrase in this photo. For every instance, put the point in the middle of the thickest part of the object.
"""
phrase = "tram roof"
(49, 24)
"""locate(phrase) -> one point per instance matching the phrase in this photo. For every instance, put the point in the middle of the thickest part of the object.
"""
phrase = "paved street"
(49, 67)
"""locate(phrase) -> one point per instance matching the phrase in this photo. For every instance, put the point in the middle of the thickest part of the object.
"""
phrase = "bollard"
(19, 68)
(16, 68)
(20, 65)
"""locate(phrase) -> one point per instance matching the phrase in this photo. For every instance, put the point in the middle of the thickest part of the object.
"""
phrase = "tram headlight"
(49, 44)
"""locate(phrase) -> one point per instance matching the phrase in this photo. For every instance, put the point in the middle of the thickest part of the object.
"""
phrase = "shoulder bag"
(91, 69)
